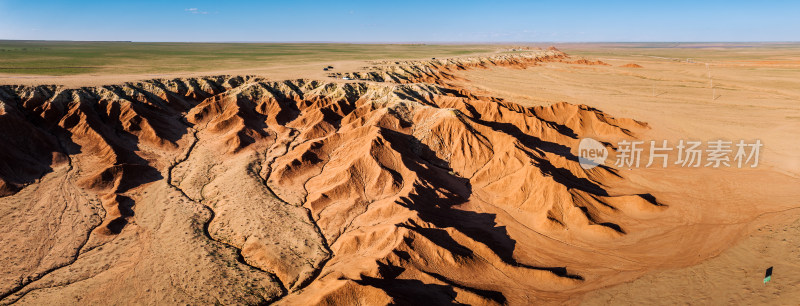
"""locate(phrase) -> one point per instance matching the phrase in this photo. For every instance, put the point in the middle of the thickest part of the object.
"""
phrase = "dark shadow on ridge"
(436, 205)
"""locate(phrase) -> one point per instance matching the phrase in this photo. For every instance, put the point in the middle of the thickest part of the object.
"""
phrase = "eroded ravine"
(293, 134)
(211, 212)
(20, 289)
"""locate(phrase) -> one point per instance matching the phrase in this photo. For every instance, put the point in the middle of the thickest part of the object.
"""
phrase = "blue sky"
(407, 21)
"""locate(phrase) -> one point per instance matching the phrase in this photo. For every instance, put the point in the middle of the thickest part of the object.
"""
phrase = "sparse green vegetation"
(68, 58)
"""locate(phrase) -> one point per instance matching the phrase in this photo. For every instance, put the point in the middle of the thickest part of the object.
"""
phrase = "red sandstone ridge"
(440, 71)
(631, 65)
(243, 190)
(588, 62)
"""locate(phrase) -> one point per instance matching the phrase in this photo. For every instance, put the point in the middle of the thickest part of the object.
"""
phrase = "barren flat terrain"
(246, 174)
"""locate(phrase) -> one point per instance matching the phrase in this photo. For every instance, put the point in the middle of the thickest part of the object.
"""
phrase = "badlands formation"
(396, 186)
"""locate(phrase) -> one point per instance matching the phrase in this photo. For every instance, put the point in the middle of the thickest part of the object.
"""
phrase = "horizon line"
(401, 42)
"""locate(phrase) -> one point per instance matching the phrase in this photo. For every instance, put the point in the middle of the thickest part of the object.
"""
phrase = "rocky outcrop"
(245, 190)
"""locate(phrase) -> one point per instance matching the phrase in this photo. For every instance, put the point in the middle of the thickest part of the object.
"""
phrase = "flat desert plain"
(247, 174)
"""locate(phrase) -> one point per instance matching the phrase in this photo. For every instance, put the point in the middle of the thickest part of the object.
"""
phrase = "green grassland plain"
(71, 58)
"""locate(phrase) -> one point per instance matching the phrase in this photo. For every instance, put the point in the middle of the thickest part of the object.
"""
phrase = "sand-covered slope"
(242, 190)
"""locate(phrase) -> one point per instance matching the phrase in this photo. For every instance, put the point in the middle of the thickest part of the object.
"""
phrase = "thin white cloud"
(194, 10)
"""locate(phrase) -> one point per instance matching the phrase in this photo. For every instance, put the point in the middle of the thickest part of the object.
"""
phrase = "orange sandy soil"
(747, 216)
(438, 181)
